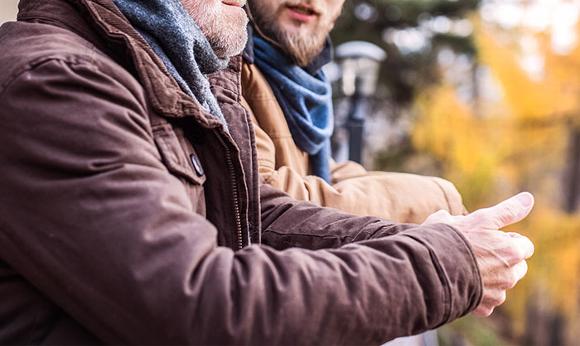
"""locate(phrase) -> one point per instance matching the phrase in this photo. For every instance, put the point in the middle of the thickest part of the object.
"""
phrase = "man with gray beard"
(132, 213)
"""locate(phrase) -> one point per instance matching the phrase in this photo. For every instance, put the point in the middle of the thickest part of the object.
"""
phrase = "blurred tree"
(525, 140)
(410, 31)
(496, 110)
(413, 33)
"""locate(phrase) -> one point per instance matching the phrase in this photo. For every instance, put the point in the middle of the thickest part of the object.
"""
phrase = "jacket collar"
(101, 23)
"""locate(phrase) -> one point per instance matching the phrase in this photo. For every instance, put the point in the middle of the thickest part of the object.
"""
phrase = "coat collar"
(101, 23)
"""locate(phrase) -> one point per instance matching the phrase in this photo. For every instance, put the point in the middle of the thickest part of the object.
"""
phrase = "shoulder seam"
(34, 64)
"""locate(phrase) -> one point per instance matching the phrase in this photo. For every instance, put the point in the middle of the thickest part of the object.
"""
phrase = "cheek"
(265, 7)
(334, 8)
(201, 11)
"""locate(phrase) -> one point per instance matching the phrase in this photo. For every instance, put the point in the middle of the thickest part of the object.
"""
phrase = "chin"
(230, 43)
(229, 52)
(226, 31)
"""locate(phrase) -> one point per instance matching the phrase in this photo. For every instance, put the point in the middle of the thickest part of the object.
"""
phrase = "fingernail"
(526, 199)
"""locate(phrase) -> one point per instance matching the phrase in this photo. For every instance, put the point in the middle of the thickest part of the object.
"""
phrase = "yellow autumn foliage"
(449, 131)
(520, 143)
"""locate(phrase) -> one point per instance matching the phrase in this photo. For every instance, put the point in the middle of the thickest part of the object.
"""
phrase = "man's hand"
(501, 256)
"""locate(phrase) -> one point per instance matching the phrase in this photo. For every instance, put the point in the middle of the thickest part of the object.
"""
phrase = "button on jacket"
(129, 216)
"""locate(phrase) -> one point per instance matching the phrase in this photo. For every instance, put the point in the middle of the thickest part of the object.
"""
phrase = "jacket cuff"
(456, 264)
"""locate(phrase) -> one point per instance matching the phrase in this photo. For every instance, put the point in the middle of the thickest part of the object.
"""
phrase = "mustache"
(312, 4)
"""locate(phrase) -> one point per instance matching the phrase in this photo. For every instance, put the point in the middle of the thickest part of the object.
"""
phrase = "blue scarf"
(306, 100)
(180, 44)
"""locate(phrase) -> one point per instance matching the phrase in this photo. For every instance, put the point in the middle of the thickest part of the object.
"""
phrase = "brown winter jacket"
(394, 196)
(129, 216)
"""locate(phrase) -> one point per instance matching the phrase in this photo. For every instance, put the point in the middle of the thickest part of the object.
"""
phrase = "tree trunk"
(572, 180)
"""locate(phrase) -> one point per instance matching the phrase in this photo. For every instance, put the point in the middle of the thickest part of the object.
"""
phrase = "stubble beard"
(303, 46)
(226, 32)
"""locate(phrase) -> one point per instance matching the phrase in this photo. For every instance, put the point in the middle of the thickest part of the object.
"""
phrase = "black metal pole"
(356, 125)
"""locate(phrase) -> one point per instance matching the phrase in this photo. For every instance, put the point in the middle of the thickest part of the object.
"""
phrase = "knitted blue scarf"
(180, 44)
(306, 100)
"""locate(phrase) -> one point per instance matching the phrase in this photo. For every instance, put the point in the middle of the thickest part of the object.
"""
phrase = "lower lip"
(299, 16)
(233, 4)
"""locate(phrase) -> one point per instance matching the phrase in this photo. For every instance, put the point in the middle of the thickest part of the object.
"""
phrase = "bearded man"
(291, 103)
(131, 210)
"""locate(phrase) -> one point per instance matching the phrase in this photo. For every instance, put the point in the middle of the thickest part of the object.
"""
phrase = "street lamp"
(359, 62)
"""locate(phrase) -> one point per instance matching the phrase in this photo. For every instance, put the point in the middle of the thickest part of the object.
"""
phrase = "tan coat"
(396, 196)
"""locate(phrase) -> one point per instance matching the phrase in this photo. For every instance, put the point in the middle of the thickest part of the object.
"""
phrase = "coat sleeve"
(287, 222)
(394, 196)
(93, 220)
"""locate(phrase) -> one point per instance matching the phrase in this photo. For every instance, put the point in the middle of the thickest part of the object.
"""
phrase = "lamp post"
(359, 63)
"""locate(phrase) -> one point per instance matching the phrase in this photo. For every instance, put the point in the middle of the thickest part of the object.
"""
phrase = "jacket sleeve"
(93, 220)
(394, 196)
(287, 222)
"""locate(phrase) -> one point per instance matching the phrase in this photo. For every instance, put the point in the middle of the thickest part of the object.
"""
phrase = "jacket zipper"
(234, 183)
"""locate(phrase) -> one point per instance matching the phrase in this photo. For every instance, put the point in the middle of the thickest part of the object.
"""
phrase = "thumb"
(508, 212)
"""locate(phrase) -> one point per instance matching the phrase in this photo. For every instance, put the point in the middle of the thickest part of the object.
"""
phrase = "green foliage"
(476, 330)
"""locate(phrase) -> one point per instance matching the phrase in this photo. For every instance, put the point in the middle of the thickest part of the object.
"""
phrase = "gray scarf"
(180, 44)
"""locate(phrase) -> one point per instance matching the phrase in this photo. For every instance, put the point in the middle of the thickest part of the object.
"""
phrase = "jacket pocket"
(179, 162)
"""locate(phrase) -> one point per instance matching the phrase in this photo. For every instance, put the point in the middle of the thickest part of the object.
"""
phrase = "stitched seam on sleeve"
(387, 229)
(345, 239)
